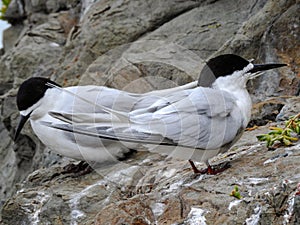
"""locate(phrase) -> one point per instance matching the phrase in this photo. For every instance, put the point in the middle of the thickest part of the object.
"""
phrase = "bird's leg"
(220, 168)
(209, 170)
(196, 170)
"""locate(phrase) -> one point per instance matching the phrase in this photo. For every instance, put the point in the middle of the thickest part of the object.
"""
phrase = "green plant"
(235, 192)
(285, 136)
(3, 9)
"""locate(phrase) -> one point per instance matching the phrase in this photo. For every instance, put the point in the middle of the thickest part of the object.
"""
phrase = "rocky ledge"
(151, 189)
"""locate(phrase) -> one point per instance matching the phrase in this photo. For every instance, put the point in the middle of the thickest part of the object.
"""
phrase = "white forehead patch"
(249, 67)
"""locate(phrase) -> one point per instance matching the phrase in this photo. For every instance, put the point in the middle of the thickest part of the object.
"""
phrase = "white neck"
(235, 84)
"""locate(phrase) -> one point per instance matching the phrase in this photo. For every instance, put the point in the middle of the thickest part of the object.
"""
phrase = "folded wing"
(196, 118)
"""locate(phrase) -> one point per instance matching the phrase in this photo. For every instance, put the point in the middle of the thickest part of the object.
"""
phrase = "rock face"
(150, 189)
(140, 46)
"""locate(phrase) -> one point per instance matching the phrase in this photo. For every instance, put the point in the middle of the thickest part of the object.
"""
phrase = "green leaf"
(286, 142)
(235, 192)
(6, 2)
(283, 135)
(297, 129)
(262, 137)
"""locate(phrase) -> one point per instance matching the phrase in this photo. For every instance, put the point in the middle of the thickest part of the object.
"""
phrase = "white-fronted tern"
(96, 123)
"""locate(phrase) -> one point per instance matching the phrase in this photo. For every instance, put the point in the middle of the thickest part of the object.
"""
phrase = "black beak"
(21, 124)
(262, 67)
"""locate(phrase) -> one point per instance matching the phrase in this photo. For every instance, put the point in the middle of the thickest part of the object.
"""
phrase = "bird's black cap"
(224, 65)
(219, 66)
(31, 91)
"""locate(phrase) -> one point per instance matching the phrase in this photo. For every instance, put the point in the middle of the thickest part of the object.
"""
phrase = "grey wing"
(93, 99)
(97, 97)
(206, 119)
(201, 118)
(84, 114)
(108, 126)
(106, 132)
(95, 104)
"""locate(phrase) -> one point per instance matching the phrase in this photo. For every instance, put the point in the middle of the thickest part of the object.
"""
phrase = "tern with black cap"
(191, 122)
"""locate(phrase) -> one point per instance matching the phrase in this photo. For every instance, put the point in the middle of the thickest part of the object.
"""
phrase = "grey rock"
(4, 87)
(296, 210)
(275, 108)
(61, 5)
(8, 164)
(258, 38)
(47, 7)
(29, 60)
(287, 48)
(200, 29)
(291, 108)
(265, 111)
(11, 36)
(5, 77)
(107, 24)
(144, 66)
(155, 190)
(168, 54)
(17, 159)
(15, 12)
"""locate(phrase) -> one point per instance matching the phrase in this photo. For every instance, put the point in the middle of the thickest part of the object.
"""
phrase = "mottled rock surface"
(140, 46)
(155, 190)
